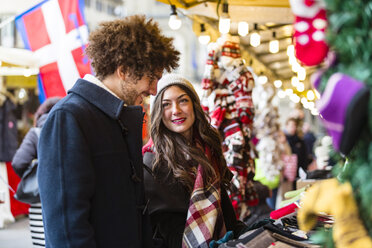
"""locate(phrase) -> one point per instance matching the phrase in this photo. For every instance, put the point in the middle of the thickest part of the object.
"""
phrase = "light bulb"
(290, 51)
(174, 20)
(262, 79)
(204, 38)
(274, 46)
(294, 81)
(281, 93)
(243, 28)
(255, 39)
(301, 73)
(224, 22)
(300, 87)
(310, 95)
(278, 83)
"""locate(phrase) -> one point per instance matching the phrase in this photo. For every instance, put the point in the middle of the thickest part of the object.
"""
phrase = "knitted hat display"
(309, 31)
(219, 110)
(230, 51)
(343, 106)
(233, 136)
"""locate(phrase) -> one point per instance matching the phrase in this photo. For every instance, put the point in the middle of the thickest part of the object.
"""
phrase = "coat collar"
(108, 103)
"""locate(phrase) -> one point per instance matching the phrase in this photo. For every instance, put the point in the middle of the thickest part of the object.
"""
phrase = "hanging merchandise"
(227, 98)
(309, 31)
(266, 126)
(343, 106)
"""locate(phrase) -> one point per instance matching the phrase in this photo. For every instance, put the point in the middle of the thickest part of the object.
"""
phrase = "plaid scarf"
(204, 221)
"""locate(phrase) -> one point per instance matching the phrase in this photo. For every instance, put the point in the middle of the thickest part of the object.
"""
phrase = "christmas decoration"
(309, 27)
(267, 127)
(227, 97)
(349, 37)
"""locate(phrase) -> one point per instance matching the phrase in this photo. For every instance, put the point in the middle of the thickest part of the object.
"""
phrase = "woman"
(186, 176)
(22, 160)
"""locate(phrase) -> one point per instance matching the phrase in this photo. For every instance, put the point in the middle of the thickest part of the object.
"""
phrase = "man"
(297, 145)
(90, 162)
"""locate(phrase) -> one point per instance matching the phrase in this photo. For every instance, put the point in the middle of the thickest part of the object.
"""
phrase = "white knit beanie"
(169, 80)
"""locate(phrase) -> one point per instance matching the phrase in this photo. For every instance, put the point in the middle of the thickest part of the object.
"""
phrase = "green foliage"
(349, 35)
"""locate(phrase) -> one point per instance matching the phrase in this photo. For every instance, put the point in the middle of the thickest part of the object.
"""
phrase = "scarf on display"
(205, 220)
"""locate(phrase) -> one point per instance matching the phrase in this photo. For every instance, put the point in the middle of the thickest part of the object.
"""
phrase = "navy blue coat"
(90, 172)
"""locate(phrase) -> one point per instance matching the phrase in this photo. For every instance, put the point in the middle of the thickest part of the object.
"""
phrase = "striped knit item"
(204, 221)
(36, 225)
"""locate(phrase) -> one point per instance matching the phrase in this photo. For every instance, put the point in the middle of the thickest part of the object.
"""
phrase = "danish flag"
(56, 32)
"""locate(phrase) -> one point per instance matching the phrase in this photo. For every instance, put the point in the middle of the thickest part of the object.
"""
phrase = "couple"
(91, 177)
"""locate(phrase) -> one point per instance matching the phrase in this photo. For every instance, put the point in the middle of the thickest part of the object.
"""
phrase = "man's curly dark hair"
(134, 43)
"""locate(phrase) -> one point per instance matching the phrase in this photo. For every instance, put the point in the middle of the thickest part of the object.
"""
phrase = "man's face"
(291, 127)
(133, 91)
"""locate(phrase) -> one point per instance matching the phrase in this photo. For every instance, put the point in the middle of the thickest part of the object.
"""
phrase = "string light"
(243, 28)
(310, 95)
(224, 22)
(274, 44)
(300, 87)
(278, 83)
(204, 38)
(301, 73)
(174, 20)
(255, 39)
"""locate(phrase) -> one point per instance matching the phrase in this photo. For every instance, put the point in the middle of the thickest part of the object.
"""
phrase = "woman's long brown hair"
(172, 148)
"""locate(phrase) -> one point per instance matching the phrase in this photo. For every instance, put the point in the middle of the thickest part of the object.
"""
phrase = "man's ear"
(119, 73)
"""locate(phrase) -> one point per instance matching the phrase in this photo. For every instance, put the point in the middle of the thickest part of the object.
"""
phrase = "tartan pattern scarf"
(205, 220)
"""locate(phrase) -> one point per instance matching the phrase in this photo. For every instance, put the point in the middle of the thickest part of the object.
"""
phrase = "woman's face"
(178, 111)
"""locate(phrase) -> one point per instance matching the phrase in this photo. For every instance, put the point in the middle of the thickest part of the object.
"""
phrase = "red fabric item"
(16, 207)
(148, 147)
(281, 212)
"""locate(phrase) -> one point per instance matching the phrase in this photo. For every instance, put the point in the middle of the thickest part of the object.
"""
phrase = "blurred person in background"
(297, 145)
(23, 158)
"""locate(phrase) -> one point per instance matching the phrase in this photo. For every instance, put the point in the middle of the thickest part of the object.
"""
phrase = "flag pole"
(7, 21)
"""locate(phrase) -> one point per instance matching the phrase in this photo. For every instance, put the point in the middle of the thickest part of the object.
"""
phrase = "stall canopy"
(270, 16)
(17, 62)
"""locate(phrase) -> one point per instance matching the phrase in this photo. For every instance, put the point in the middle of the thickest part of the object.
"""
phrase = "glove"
(336, 199)
(228, 236)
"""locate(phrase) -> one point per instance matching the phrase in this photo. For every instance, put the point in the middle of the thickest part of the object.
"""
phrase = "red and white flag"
(55, 30)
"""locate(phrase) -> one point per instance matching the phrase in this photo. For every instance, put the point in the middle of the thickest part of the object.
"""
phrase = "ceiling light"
(274, 44)
(224, 23)
(310, 95)
(301, 73)
(255, 39)
(281, 93)
(243, 28)
(290, 51)
(262, 79)
(174, 20)
(300, 87)
(278, 83)
(204, 38)
(294, 81)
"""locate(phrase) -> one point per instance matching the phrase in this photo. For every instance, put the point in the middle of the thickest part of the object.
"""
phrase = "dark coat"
(168, 206)
(90, 172)
(27, 151)
(298, 147)
(8, 131)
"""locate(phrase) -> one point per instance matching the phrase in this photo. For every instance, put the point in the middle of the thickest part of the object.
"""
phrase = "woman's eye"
(184, 100)
(165, 105)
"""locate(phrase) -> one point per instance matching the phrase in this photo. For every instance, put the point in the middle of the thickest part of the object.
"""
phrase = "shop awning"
(17, 62)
